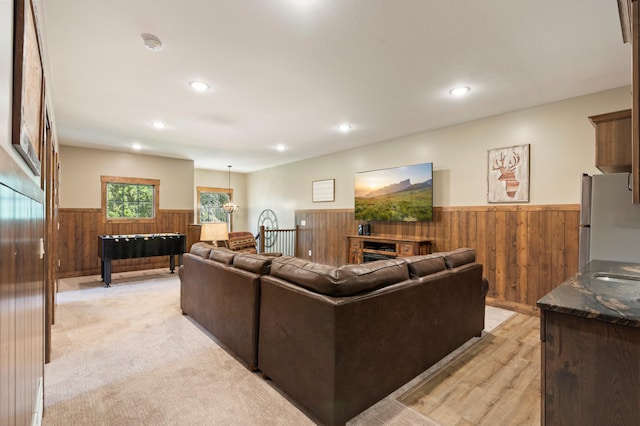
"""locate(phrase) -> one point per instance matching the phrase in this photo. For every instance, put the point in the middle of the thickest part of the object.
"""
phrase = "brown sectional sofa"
(339, 339)
(220, 291)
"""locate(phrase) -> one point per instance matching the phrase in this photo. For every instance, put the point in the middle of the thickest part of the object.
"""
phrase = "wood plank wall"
(22, 293)
(526, 250)
(78, 243)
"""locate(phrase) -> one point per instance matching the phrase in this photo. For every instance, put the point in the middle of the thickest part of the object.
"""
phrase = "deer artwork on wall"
(509, 174)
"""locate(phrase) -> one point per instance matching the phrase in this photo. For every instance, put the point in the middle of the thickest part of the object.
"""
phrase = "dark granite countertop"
(603, 290)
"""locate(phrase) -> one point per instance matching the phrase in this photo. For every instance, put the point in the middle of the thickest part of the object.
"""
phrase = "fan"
(268, 219)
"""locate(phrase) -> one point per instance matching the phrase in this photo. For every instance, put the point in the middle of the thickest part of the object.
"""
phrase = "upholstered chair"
(245, 242)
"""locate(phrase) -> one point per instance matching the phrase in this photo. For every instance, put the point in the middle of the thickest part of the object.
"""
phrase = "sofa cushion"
(222, 255)
(420, 266)
(459, 257)
(242, 241)
(341, 281)
(201, 249)
(253, 263)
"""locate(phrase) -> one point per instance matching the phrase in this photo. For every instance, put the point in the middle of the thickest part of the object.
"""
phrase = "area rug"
(496, 381)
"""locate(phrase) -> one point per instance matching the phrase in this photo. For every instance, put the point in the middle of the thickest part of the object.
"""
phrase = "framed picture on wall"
(28, 93)
(323, 190)
(508, 174)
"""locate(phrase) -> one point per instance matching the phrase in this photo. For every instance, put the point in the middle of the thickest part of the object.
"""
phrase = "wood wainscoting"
(22, 293)
(79, 230)
(526, 250)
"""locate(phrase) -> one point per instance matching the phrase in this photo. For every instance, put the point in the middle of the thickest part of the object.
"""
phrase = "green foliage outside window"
(211, 207)
(129, 201)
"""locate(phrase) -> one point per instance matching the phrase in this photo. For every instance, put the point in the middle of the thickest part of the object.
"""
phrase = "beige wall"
(80, 171)
(218, 179)
(562, 148)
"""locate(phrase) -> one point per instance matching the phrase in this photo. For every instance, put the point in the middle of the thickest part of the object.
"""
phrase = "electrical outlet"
(309, 252)
(303, 223)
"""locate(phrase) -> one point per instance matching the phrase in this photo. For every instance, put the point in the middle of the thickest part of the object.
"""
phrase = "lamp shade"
(214, 232)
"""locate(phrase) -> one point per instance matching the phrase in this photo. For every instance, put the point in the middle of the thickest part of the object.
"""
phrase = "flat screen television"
(395, 194)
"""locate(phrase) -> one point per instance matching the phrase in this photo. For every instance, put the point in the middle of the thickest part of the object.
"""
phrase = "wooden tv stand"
(361, 248)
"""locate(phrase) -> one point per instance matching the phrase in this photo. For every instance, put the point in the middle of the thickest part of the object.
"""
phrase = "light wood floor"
(495, 382)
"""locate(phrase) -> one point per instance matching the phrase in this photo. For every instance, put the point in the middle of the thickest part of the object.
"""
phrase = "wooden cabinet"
(613, 141)
(406, 249)
(355, 251)
(362, 248)
(590, 334)
(590, 371)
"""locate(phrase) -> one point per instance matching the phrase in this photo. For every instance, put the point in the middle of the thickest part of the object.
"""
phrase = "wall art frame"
(323, 191)
(508, 174)
(28, 87)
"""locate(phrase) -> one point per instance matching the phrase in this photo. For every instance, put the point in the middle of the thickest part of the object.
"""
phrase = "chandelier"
(229, 207)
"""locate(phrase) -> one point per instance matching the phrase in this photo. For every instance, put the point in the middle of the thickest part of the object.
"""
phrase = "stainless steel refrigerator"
(609, 221)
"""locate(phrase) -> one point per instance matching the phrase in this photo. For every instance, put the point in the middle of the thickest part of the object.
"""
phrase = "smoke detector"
(151, 42)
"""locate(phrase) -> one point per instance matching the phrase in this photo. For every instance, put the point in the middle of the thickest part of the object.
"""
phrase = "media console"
(365, 248)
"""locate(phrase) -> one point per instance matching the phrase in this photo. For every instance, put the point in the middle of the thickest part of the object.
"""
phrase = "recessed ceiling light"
(158, 125)
(344, 127)
(458, 91)
(136, 146)
(151, 42)
(280, 147)
(199, 86)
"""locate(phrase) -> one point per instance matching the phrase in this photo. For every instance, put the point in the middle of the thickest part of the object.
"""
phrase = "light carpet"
(126, 355)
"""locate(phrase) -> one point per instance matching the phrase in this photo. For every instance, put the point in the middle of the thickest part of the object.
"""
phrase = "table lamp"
(212, 232)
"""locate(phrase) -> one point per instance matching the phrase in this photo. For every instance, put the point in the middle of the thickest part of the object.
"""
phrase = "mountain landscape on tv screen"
(404, 185)
(400, 201)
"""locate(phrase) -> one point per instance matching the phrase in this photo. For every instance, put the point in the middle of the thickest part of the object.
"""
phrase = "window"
(129, 199)
(210, 202)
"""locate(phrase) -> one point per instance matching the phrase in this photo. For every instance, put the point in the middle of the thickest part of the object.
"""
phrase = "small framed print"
(323, 190)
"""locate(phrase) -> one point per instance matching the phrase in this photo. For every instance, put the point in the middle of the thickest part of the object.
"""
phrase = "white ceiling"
(290, 71)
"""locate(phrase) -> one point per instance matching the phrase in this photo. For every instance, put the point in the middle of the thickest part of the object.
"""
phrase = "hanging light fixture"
(230, 207)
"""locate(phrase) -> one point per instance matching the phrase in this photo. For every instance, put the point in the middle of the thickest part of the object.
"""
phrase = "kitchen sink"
(617, 278)
(624, 288)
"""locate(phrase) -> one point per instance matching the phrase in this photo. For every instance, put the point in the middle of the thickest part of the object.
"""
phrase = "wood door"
(51, 170)
(635, 110)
